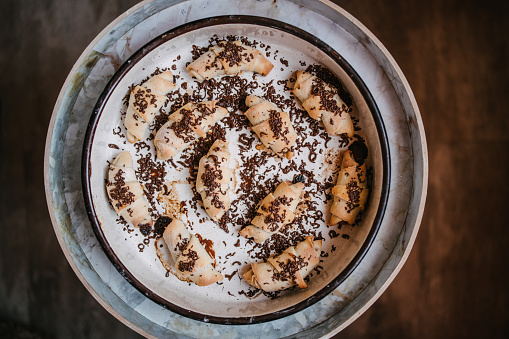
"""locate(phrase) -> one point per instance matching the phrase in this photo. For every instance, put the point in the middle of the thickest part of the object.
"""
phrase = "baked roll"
(187, 124)
(145, 102)
(192, 261)
(287, 269)
(322, 101)
(213, 180)
(275, 211)
(351, 191)
(125, 192)
(272, 125)
(229, 57)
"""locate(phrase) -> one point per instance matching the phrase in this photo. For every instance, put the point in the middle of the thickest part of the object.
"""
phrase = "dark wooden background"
(455, 55)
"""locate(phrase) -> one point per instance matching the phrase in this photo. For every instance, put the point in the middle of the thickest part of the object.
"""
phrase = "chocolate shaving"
(359, 151)
(120, 191)
(190, 258)
(232, 53)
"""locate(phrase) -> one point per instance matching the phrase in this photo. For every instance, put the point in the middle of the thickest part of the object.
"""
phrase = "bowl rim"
(203, 23)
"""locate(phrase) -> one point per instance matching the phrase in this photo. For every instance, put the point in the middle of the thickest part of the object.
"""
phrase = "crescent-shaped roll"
(213, 180)
(275, 211)
(125, 192)
(322, 102)
(287, 269)
(145, 102)
(351, 191)
(187, 124)
(229, 57)
(192, 261)
(271, 124)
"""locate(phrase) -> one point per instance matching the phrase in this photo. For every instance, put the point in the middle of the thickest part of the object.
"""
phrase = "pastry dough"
(213, 180)
(350, 192)
(229, 57)
(322, 101)
(192, 261)
(275, 211)
(187, 124)
(125, 192)
(287, 269)
(272, 125)
(144, 103)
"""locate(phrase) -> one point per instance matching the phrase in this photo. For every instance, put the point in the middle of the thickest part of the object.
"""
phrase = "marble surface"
(148, 20)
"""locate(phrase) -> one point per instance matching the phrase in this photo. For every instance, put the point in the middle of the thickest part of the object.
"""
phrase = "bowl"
(289, 48)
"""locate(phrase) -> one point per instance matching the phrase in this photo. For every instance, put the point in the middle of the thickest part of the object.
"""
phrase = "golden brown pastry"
(187, 124)
(287, 269)
(145, 102)
(322, 101)
(275, 211)
(351, 190)
(192, 262)
(125, 192)
(272, 125)
(229, 57)
(213, 180)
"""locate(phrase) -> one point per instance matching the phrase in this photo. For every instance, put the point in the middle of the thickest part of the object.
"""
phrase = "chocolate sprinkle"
(254, 178)
(327, 76)
(120, 191)
(359, 151)
(299, 178)
(160, 226)
(188, 265)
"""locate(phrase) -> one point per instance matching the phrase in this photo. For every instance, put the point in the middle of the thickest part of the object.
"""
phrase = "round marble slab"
(113, 46)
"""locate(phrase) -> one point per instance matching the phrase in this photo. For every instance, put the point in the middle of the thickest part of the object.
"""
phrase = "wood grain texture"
(455, 56)
(39, 293)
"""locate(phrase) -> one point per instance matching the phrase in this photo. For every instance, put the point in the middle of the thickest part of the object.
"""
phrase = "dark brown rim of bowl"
(213, 21)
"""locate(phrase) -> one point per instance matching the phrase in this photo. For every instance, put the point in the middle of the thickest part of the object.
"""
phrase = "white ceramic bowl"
(224, 303)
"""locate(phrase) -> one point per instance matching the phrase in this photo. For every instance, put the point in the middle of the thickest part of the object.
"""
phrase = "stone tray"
(132, 30)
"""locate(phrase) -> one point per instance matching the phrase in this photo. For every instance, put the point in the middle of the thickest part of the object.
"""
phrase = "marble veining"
(140, 25)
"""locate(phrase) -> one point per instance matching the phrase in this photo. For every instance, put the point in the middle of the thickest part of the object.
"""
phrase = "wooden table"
(455, 55)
